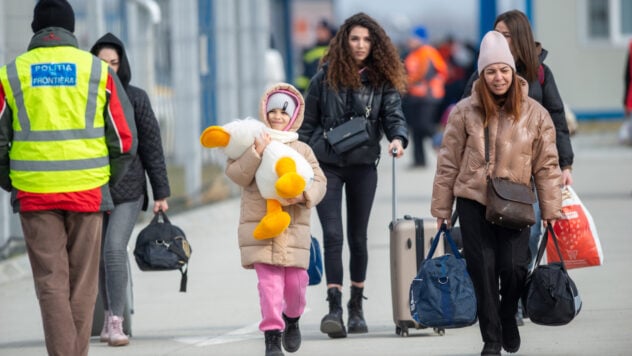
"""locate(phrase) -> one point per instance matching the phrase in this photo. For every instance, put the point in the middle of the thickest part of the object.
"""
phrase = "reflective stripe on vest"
(58, 98)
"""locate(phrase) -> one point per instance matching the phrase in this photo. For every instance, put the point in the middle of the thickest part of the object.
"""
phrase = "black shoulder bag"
(351, 133)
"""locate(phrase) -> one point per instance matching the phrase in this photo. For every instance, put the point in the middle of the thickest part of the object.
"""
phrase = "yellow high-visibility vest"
(57, 96)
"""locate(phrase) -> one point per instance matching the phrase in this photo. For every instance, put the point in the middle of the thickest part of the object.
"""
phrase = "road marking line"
(246, 333)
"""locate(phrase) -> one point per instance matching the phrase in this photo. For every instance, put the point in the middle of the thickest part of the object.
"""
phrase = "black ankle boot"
(511, 335)
(332, 323)
(490, 349)
(273, 343)
(291, 334)
(356, 322)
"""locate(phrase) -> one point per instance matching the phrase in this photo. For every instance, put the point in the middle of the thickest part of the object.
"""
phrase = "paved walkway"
(219, 314)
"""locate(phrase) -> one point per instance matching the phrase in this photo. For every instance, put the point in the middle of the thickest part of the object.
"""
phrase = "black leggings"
(359, 182)
(494, 255)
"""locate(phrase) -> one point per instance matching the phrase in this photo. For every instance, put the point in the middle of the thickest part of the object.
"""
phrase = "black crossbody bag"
(351, 133)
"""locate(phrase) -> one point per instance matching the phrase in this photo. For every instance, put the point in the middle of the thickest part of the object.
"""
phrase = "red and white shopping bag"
(576, 234)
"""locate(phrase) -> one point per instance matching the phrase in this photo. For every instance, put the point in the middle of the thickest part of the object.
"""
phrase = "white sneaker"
(105, 334)
(117, 336)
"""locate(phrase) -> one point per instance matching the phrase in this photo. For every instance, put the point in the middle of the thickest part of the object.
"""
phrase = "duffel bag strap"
(184, 278)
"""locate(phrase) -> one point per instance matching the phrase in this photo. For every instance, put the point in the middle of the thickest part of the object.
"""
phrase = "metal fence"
(200, 61)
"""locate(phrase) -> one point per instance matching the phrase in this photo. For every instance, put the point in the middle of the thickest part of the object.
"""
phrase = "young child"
(280, 262)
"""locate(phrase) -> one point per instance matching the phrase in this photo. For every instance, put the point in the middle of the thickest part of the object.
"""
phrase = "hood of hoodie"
(542, 53)
(109, 40)
(297, 120)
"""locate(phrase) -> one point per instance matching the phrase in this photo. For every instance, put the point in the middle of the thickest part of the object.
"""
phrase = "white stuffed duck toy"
(282, 174)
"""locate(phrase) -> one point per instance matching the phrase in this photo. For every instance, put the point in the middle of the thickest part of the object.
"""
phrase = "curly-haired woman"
(361, 73)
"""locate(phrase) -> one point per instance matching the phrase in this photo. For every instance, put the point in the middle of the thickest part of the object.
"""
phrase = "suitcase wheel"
(401, 331)
(439, 331)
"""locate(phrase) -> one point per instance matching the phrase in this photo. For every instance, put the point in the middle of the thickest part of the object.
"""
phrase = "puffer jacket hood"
(297, 120)
(124, 71)
(542, 53)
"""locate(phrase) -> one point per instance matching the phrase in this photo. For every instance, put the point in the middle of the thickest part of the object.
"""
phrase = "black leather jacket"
(325, 108)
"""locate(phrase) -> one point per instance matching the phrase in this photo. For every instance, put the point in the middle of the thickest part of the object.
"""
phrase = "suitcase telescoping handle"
(394, 196)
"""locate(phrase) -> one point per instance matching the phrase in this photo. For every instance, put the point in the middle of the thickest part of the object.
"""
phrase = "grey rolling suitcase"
(410, 239)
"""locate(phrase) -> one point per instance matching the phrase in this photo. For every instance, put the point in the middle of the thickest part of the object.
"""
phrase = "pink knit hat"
(494, 49)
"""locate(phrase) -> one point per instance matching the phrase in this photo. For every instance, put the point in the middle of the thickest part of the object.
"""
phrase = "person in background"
(521, 145)
(529, 57)
(627, 80)
(625, 131)
(362, 66)
(427, 73)
(67, 133)
(460, 57)
(313, 55)
(280, 262)
(129, 194)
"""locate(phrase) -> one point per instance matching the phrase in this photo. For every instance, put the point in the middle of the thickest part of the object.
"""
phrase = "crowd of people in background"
(432, 89)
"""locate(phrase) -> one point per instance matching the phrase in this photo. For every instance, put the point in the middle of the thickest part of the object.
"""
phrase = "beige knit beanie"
(494, 49)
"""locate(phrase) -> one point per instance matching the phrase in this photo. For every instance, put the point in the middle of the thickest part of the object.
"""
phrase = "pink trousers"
(281, 291)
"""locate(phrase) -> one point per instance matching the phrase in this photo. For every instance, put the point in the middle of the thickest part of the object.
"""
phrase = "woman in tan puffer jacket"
(521, 145)
(281, 261)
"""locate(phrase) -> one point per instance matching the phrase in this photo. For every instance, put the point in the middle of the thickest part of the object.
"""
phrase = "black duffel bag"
(550, 296)
(161, 246)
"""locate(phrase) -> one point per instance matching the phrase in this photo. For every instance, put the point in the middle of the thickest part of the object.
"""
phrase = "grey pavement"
(219, 313)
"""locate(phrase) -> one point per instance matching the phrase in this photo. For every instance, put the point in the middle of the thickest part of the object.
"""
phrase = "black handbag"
(509, 204)
(551, 297)
(442, 294)
(351, 133)
(161, 246)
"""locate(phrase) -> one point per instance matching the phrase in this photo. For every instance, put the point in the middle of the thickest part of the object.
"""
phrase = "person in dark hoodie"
(129, 195)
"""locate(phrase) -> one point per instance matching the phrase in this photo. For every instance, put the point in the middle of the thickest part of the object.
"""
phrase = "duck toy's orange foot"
(273, 223)
(290, 184)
